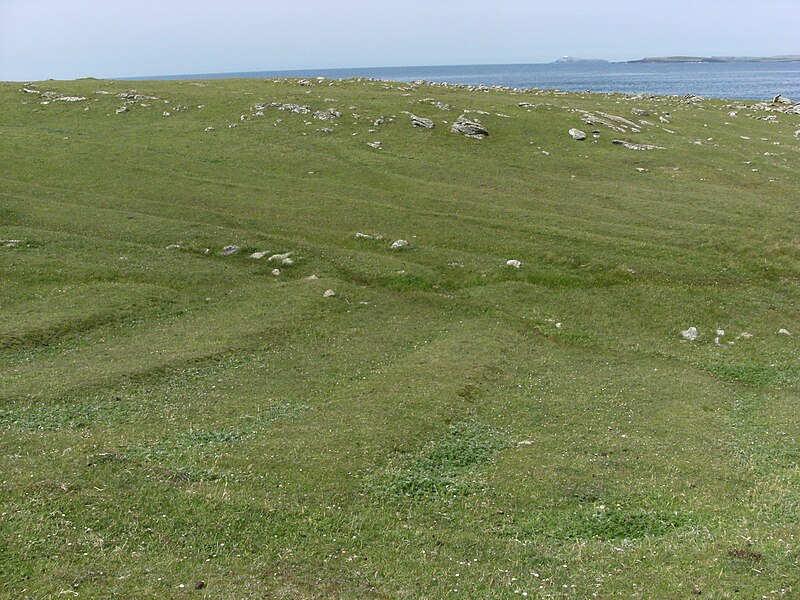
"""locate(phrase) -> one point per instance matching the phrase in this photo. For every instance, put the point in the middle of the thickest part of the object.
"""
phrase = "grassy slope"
(170, 416)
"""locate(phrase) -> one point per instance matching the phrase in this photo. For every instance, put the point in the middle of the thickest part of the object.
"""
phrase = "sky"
(67, 39)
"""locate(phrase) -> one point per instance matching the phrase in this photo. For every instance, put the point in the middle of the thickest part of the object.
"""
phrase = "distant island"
(572, 59)
(715, 59)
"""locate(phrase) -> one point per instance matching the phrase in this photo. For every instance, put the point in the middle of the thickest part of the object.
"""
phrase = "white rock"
(783, 331)
(577, 134)
(690, 334)
(745, 335)
(209, 129)
(287, 261)
(173, 247)
(279, 257)
(122, 109)
(276, 272)
(559, 325)
(720, 332)
(376, 145)
(258, 255)
(362, 236)
(514, 263)
(328, 294)
(312, 278)
(398, 244)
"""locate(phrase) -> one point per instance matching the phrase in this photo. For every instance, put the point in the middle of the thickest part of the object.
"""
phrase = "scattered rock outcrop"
(577, 134)
(327, 115)
(469, 127)
(420, 121)
(632, 146)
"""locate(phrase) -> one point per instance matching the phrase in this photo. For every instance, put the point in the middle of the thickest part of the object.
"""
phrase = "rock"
(690, 334)
(258, 255)
(746, 336)
(376, 145)
(398, 244)
(324, 130)
(420, 121)
(287, 262)
(28, 90)
(122, 109)
(378, 121)
(329, 294)
(362, 236)
(470, 128)
(784, 331)
(209, 129)
(174, 247)
(514, 263)
(312, 278)
(228, 250)
(797, 133)
(276, 272)
(577, 134)
(640, 112)
(327, 115)
(720, 332)
(632, 146)
(781, 100)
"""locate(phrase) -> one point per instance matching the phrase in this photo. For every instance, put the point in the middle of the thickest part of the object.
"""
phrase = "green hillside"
(179, 418)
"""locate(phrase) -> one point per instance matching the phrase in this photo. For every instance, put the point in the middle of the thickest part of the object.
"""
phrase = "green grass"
(171, 415)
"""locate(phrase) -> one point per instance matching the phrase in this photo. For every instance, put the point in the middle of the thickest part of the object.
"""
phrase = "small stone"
(362, 236)
(258, 255)
(514, 263)
(174, 247)
(398, 244)
(228, 250)
(690, 334)
(200, 585)
(279, 257)
(559, 325)
(376, 145)
(276, 272)
(122, 109)
(312, 278)
(783, 331)
(577, 134)
(746, 336)
(287, 261)
(209, 129)
(329, 294)
(720, 332)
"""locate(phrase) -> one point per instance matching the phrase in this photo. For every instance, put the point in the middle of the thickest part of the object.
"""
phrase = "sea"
(742, 80)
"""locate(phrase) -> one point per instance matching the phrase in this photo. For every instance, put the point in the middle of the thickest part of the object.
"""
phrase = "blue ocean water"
(749, 81)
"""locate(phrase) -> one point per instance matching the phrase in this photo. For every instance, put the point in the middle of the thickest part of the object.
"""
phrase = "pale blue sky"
(65, 39)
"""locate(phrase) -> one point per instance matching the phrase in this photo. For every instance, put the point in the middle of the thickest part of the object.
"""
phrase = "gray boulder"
(577, 134)
(420, 121)
(470, 128)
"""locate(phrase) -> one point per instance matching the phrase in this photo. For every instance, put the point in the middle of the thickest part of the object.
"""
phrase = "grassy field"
(180, 421)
